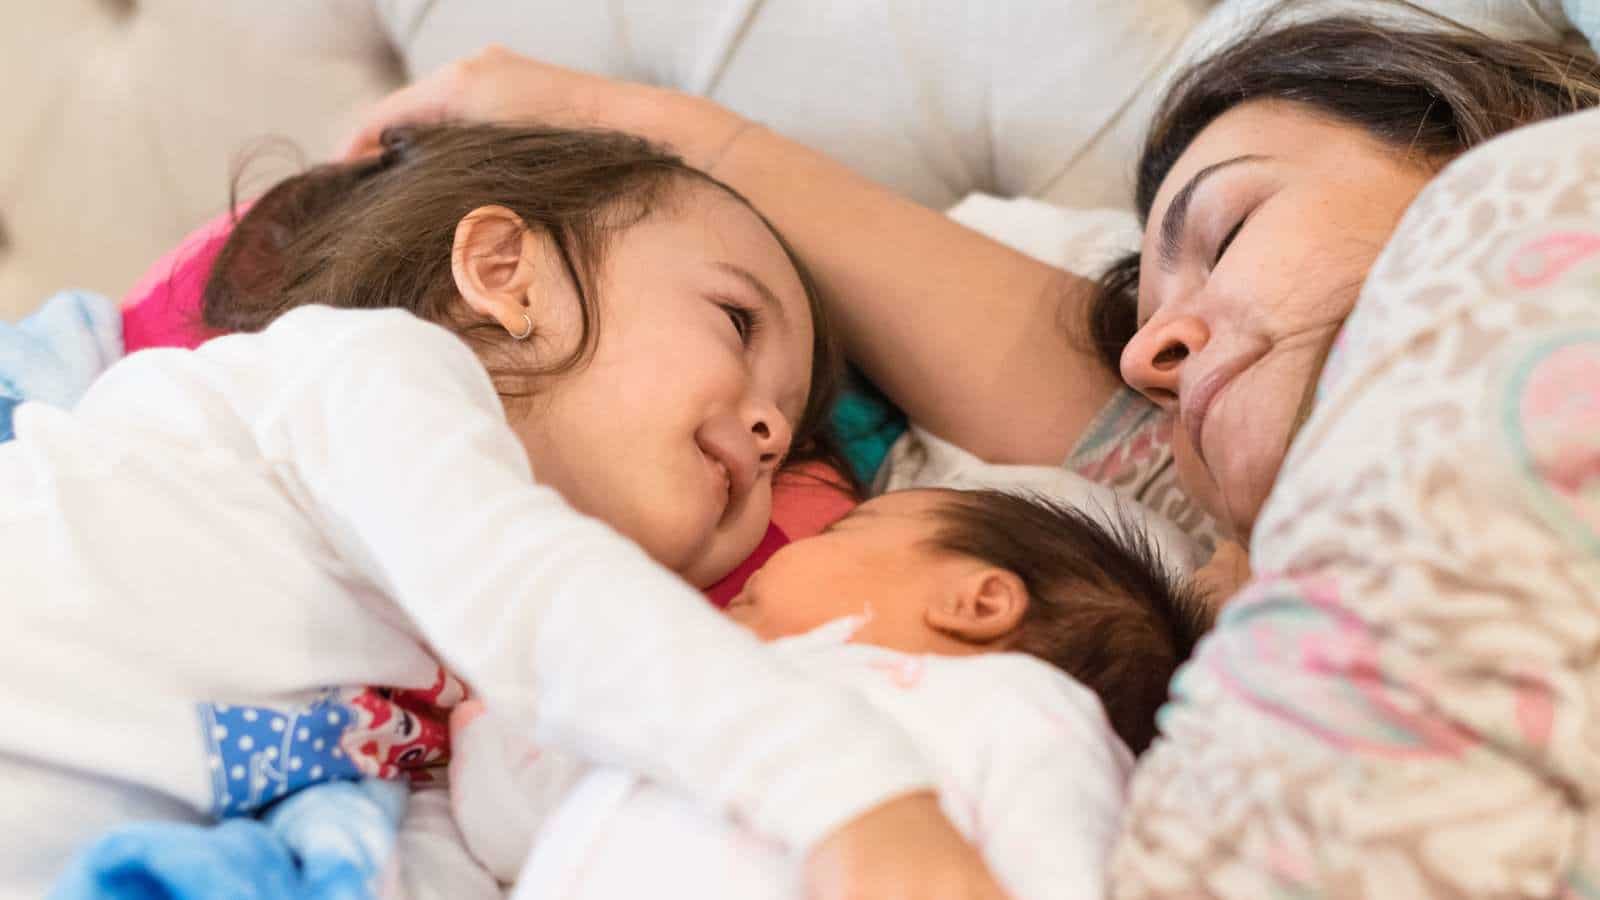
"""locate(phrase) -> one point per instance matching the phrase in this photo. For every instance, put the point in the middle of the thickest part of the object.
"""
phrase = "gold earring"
(526, 332)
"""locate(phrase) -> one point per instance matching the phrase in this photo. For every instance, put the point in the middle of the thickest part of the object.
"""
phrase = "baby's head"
(659, 348)
(965, 572)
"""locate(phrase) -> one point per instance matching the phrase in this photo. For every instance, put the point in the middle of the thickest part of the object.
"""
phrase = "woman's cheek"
(1265, 438)
(1197, 480)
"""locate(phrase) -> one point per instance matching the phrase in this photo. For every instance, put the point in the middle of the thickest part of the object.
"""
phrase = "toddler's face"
(876, 562)
(673, 430)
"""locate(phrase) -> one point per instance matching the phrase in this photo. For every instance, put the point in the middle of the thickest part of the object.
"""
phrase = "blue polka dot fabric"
(258, 755)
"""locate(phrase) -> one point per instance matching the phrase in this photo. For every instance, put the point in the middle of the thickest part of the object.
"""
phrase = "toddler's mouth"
(729, 482)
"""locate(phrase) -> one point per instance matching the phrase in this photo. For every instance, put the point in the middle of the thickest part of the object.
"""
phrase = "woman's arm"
(978, 343)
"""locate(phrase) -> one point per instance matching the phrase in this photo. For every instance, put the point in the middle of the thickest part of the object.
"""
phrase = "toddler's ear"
(983, 606)
(493, 262)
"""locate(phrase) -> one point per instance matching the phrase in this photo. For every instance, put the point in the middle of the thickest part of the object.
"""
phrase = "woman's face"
(673, 430)
(1257, 245)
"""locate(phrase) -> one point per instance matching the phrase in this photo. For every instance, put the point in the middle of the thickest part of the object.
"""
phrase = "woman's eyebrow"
(768, 298)
(1178, 210)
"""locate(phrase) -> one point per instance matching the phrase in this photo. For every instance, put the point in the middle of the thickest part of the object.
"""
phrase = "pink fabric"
(805, 501)
(163, 310)
(723, 592)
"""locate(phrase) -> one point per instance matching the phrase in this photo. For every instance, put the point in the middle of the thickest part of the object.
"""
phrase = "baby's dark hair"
(377, 233)
(1101, 605)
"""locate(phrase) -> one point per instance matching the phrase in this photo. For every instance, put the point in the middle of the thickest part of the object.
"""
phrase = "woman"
(1367, 721)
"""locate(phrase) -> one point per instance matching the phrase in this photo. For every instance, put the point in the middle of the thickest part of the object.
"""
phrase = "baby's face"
(875, 562)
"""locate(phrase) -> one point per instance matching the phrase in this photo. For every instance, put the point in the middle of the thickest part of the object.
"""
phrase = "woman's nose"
(772, 434)
(1153, 360)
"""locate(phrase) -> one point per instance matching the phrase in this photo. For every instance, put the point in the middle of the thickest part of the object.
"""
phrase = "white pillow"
(921, 459)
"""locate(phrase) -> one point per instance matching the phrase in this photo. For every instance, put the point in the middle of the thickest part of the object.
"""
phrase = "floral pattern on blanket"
(1552, 415)
(1402, 705)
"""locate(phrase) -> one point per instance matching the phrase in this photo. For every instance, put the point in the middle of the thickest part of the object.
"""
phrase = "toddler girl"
(494, 388)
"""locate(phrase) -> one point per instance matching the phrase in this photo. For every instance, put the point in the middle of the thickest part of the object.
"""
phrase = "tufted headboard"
(125, 120)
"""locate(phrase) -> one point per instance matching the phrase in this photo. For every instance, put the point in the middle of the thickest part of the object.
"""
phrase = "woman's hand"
(904, 849)
(1224, 574)
(496, 84)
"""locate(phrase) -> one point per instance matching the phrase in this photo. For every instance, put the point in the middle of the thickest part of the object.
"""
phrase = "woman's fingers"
(428, 100)
(494, 84)
(1227, 571)
(465, 89)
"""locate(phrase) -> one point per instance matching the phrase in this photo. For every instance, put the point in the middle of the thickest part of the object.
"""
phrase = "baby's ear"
(493, 262)
(983, 606)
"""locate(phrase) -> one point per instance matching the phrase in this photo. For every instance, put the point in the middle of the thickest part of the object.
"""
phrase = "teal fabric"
(867, 424)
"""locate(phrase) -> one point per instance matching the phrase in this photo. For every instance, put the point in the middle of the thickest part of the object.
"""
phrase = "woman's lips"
(1197, 401)
(1193, 408)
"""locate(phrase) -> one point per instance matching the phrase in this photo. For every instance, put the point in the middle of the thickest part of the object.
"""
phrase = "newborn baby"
(1026, 646)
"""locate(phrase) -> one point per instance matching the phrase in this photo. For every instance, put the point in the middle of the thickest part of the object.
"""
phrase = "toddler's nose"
(772, 434)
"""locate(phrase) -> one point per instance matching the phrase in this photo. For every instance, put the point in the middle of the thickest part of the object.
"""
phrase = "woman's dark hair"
(378, 233)
(1429, 92)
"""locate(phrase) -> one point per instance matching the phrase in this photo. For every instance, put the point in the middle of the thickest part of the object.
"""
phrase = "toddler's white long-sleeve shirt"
(338, 501)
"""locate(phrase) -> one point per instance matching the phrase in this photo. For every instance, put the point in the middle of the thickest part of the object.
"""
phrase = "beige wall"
(123, 120)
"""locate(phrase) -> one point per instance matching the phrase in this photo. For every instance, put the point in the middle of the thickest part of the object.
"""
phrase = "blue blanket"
(334, 841)
(52, 355)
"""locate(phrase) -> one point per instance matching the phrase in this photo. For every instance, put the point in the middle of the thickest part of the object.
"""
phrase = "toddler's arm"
(569, 632)
(1051, 800)
(502, 788)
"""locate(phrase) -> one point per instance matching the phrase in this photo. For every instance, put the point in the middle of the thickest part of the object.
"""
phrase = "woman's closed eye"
(1227, 241)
